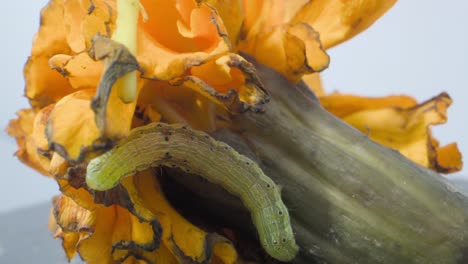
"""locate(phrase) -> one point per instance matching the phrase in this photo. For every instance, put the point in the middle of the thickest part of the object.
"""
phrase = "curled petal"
(445, 159)
(343, 105)
(314, 82)
(71, 223)
(178, 36)
(113, 114)
(32, 147)
(177, 104)
(184, 240)
(264, 14)
(398, 123)
(103, 235)
(71, 186)
(44, 85)
(229, 72)
(81, 71)
(71, 129)
(136, 217)
(296, 47)
(339, 20)
(232, 15)
(83, 19)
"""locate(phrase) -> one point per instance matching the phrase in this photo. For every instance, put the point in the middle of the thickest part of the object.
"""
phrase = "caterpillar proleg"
(160, 144)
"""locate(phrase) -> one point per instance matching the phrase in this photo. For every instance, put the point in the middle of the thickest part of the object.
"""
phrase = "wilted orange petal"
(178, 233)
(315, 83)
(405, 129)
(230, 72)
(177, 104)
(178, 36)
(29, 151)
(58, 165)
(339, 20)
(342, 105)
(297, 50)
(71, 223)
(80, 70)
(231, 14)
(44, 85)
(261, 15)
(447, 159)
(71, 127)
(218, 74)
(84, 18)
(80, 196)
(101, 235)
(39, 127)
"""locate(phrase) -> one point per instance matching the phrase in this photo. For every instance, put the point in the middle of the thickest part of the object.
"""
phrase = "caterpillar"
(160, 144)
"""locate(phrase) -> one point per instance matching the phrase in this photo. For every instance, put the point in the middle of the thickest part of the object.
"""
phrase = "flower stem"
(350, 199)
(126, 34)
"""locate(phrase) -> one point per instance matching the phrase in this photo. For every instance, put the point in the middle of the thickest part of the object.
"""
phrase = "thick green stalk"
(352, 200)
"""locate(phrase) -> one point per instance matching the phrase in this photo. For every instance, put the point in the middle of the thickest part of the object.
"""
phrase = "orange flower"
(400, 123)
(191, 72)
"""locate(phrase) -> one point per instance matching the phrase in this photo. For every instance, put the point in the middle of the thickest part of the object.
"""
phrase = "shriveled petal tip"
(113, 113)
(398, 123)
(449, 159)
(339, 20)
(32, 147)
(71, 223)
(296, 47)
(226, 73)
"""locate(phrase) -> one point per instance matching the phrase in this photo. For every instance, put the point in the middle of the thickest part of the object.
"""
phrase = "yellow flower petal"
(80, 70)
(83, 19)
(399, 124)
(232, 15)
(445, 159)
(296, 47)
(342, 105)
(339, 20)
(315, 83)
(71, 129)
(44, 85)
(230, 72)
(262, 15)
(103, 235)
(178, 36)
(71, 223)
(142, 195)
(32, 148)
(178, 234)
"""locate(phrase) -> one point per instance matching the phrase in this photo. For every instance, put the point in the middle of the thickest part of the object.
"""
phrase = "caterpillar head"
(98, 174)
(276, 234)
(284, 248)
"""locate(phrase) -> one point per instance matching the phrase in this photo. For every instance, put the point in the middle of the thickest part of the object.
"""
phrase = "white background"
(418, 48)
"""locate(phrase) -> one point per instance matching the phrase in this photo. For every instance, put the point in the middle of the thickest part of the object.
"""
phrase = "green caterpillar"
(193, 151)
